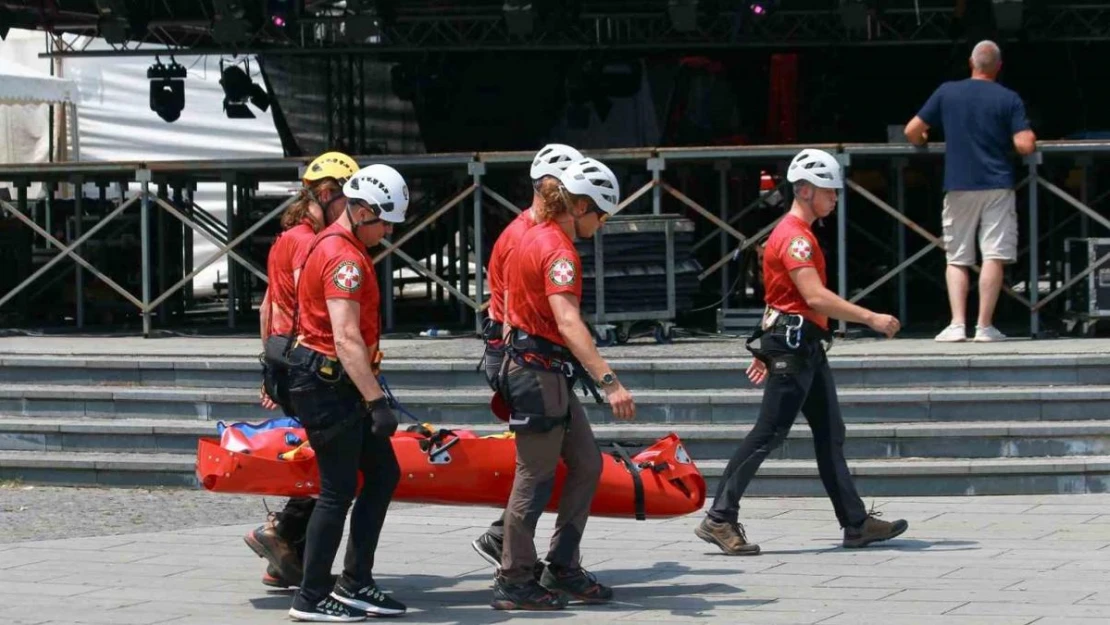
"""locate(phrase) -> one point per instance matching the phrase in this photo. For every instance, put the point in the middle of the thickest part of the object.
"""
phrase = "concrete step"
(638, 374)
(704, 442)
(874, 478)
(467, 406)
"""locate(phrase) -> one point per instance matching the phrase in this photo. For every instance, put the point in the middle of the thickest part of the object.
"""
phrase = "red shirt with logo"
(280, 264)
(544, 263)
(339, 268)
(498, 262)
(791, 246)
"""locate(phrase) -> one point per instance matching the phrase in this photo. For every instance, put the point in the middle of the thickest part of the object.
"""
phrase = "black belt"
(325, 367)
(554, 357)
(797, 329)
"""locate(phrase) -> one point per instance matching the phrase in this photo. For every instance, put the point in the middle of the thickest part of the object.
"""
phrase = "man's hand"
(384, 421)
(884, 324)
(757, 371)
(620, 400)
(267, 403)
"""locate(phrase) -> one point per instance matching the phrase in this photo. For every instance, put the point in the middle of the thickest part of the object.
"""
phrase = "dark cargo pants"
(549, 423)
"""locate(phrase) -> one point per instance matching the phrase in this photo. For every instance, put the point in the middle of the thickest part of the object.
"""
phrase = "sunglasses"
(602, 216)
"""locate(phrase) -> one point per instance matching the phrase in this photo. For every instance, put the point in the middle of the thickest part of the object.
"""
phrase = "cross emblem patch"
(562, 272)
(347, 277)
(800, 249)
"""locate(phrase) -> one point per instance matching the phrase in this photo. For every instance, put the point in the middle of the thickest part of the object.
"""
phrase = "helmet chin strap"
(355, 225)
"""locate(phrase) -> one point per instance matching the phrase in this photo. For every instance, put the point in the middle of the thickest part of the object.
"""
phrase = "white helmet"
(552, 160)
(383, 188)
(817, 167)
(592, 178)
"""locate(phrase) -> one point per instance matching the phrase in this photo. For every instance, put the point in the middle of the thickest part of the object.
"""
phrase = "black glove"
(384, 421)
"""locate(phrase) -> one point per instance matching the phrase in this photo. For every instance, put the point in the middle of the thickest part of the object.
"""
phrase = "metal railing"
(470, 173)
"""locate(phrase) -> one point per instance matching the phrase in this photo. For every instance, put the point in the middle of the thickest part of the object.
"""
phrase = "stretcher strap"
(637, 481)
(392, 400)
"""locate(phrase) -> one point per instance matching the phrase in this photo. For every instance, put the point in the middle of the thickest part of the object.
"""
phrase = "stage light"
(1008, 14)
(167, 89)
(519, 17)
(240, 89)
(683, 14)
(112, 22)
(283, 12)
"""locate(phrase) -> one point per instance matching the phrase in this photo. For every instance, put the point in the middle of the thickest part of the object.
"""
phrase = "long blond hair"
(556, 200)
(298, 211)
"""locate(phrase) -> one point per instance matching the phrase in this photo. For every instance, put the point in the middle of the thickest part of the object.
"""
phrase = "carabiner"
(568, 369)
(794, 331)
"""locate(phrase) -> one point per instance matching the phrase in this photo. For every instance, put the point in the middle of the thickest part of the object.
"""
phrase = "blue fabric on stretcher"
(250, 429)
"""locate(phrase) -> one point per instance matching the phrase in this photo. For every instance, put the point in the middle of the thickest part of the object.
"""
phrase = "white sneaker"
(954, 333)
(988, 334)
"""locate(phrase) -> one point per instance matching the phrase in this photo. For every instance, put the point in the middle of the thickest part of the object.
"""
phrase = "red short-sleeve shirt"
(544, 263)
(280, 264)
(791, 245)
(339, 268)
(499, 261)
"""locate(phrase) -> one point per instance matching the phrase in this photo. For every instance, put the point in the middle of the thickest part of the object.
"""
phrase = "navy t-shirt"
(980, 119)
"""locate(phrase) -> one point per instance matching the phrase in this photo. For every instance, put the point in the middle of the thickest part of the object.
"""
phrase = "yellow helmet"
(335, 165)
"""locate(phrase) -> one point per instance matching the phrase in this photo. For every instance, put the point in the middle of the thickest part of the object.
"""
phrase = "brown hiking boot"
(728, 536)
(873, 530)
(282, 557)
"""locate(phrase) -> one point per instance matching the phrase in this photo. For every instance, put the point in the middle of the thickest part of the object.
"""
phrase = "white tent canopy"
(20, 85)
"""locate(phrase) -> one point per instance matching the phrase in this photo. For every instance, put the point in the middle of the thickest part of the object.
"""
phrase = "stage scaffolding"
(162, 192)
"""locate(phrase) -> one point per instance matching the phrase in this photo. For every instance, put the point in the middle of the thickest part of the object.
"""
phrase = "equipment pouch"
(276, 364)
(785, 363)
(539, 400)
(491, 363)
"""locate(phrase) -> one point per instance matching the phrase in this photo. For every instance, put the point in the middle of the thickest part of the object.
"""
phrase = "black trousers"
(292, 522)
(341, 456)
(805, 383)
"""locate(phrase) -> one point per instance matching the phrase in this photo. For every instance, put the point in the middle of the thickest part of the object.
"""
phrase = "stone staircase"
(930, 425)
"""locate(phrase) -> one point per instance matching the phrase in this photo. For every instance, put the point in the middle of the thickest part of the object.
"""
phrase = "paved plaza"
(964, 561)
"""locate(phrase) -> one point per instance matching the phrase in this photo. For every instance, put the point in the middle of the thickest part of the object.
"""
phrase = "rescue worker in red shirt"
(338, 400)
(281, 540)
(548, 342)
(789, 349)
(549, 163)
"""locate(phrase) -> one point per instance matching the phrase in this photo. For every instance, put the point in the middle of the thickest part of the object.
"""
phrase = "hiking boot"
(326, 610)
(489, 548)
(576, 583)
(265, 542)
(527, 596)
(873, 530)
(272, 578)
(369, 599)
(729, 536)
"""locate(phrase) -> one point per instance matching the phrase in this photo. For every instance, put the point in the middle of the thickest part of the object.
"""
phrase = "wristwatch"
(607, 380)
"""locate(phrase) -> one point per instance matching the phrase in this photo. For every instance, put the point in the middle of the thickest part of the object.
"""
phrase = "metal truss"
(457, 28)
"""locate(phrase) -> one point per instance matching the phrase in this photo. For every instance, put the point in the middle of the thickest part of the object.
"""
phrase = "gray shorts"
(993, 212)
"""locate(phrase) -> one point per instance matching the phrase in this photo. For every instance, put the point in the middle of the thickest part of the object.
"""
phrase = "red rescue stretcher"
(452, 467)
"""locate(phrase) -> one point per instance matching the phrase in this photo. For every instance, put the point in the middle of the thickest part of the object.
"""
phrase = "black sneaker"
(326, 610)
(489, 548)
(527, 596)
(577, 583)
(369, 599)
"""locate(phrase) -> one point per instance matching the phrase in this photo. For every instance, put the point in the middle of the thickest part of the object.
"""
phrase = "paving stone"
(661, 572)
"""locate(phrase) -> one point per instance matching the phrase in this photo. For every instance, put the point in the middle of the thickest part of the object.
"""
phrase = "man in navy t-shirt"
(982, 120)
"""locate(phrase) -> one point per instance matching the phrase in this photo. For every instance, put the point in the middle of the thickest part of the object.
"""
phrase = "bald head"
(986, 58)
